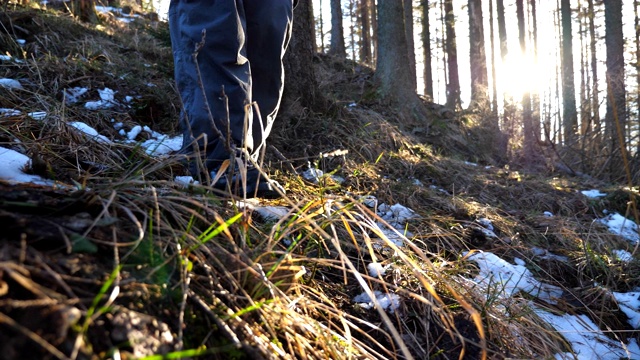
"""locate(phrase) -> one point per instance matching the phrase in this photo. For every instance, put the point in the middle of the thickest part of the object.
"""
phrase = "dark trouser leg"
(243, 50)
(223, 63)
(268, 33)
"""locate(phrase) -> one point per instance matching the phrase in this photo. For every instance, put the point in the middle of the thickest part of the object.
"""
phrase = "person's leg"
(223, 63)
(268, 32)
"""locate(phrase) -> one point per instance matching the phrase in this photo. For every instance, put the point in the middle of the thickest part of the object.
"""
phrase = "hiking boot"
(257, 185)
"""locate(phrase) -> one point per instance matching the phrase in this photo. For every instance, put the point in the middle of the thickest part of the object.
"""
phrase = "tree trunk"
(535, 96)
(502, 30)
(320, 26)
(426, 47)
(411, 51)
(616, 107)
(453, 85)
(477, 55)
(85, 10)
(300, 79)
(337, 47)
(595, 97)
(374, 29)
(494, 78)
(352, 28)
(527, 120)
(504, 51)
(637, 39)
(392, 71)
(569, 114)
(365, 45)
(585, 104)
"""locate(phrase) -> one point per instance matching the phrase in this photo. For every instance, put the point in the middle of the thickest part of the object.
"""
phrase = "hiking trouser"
(244, 44)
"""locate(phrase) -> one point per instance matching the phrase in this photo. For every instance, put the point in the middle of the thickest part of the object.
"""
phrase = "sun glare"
(519, 74)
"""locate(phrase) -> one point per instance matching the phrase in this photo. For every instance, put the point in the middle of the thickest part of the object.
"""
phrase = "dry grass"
(230, 284)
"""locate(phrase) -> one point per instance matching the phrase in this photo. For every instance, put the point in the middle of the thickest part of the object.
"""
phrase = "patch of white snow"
(12, 164)
(503, 279)
(593, 194)
(622, 226)
(11, 84)
(90, 132)
(390, 302)
(376, 268)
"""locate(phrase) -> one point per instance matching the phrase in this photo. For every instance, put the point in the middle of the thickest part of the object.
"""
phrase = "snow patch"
(106, 101)
(501, 278)
(390, 302)
(622, 226)
(73, 95)
(89, 131)
(11, 84)
(622, 255)
(586, 339)
(12, 164)
(376, 268)
(593, 194)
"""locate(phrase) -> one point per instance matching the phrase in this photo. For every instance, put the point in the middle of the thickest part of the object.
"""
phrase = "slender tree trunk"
(585, 112)
(426, 46)
(570, 117)
(494, 78)
(616, 93)
(320, 24)
(637, 34)
(558, 79)
(595, 93)
(453, 85)
(365, 46)
(411, 51)
(443, 46)
(477, 55)
(337, 47)
(502, 30)
(535, 96)
(352, 28)
(374, 29)
(504, 51)
(529, 137)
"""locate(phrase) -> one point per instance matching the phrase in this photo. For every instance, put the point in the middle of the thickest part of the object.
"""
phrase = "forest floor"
(395, 240)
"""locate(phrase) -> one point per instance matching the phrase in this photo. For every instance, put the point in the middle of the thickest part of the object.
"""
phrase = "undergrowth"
(118, 238)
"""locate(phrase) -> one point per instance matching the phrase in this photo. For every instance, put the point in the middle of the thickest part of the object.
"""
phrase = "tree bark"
(353, 16)
(527, 120)
(535, 96)
(411, 51)
(320, 26)
(477, 55)
(637, 39)
(502, 30)
(85, 10)
(337, 47)
(494, 78)
(392, 71)
(300, 80)
(374, 29)
(426, 47)
(365, 44)
(508, 105)
(616, 93)
(569, 114)
(595, 97)
(453, 85)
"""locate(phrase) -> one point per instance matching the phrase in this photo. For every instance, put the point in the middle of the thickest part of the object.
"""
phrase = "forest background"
(432, 211)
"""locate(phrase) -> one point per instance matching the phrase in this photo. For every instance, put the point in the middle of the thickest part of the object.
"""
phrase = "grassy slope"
(236, 291)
